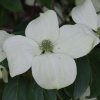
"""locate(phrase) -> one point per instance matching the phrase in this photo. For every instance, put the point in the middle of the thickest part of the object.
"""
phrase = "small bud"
(3, 74)
(98, 32)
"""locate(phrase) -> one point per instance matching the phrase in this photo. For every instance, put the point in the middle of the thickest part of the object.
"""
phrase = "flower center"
(46, 46)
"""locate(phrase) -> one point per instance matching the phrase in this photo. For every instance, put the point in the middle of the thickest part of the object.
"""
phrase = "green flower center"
(46, 46)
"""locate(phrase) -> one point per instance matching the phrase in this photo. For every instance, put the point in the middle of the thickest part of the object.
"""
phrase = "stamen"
(46, 46)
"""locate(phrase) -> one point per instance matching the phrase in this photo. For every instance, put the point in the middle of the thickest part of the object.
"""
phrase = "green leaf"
(1, 88)
(95, 64)
(50, 94)
(69, 90)
(35, 92)
(3, 16)
(20, 89)
(12, 5)
(19, 28)
(62, 95)
(16, 89)
(83, 77)
(98, 98)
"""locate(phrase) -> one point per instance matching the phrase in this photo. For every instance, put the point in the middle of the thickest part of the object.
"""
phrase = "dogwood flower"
(3, 74)
(85, 14)
(3, 36)
(96, 4)
(49, 50)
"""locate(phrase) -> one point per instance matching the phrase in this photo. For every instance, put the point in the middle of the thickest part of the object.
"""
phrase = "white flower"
(85, 14)
(29, 2)
(96, 3)
(3, 74)
(3, 36)
(49, 50)
(87, 93)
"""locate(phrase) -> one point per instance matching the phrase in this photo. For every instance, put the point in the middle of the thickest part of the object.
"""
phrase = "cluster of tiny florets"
(46, 46)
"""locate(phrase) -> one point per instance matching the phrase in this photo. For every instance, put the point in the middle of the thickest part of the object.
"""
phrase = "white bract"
(3, 36)
(49, 50)
(85, 14)
(96, 3)
(3, 74)
(29, 2)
